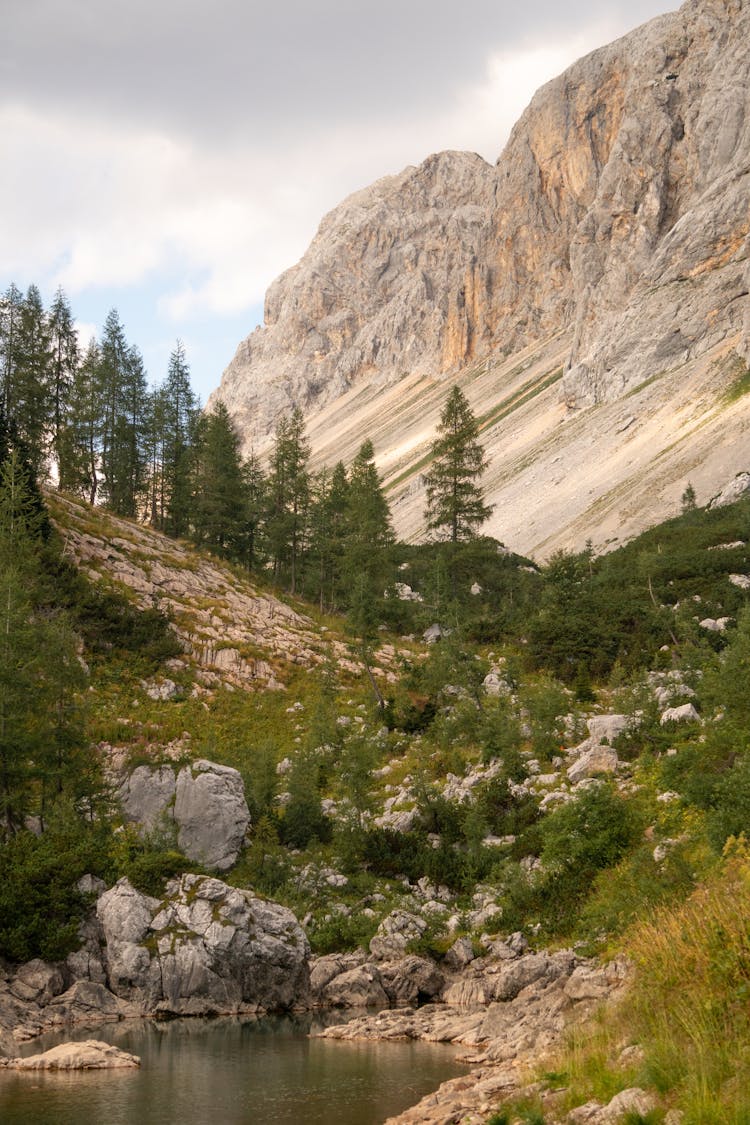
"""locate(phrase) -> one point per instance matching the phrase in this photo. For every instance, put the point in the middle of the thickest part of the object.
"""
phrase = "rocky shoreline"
(210, 949)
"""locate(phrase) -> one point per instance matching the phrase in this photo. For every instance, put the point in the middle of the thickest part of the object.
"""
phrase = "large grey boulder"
(204, 804)
(360, 987)
(411, 980)
(597, 760)
(206, 948)
(91, 1054)
(147, 797)
(211, 813)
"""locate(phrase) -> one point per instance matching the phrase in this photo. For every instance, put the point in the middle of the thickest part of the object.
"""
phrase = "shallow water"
(229, 1072)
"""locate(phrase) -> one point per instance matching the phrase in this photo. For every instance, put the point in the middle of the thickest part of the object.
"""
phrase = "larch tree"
(455, 501)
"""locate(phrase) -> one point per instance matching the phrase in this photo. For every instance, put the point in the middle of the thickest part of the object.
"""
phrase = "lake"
(228, 1072)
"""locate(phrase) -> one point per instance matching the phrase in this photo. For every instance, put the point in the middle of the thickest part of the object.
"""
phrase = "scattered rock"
(597, 760)
(684, 714)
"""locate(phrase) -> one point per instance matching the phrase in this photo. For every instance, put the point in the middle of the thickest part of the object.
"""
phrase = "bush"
(40, 907)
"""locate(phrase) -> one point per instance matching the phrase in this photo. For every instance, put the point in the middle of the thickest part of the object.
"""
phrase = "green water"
(229, 1072)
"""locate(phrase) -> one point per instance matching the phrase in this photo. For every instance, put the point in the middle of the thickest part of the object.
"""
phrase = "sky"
(169, 158)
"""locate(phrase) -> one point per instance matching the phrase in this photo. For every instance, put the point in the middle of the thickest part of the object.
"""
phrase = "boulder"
(324, 969)
(686, 713)
(597, 760)
(411, 980)
(205, 949)
(90, 1054)
(606, 728)
(397, 931)
(734, 490)
(460, 954)
(147, 797)
(360, 987)
(37, 982)
(211, 813)
(87, 1000)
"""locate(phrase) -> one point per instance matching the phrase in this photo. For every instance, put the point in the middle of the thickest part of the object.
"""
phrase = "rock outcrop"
(205, 949)
(605, 255)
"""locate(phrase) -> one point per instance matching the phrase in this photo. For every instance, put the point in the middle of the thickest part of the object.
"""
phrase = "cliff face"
(616, 220)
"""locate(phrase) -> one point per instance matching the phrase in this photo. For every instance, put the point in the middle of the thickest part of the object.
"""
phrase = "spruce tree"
(219, 504)
(64, 360)
(455, 502)
(289, 496)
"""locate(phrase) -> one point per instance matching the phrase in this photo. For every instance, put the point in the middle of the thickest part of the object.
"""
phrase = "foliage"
(40, 908)
(454, 499)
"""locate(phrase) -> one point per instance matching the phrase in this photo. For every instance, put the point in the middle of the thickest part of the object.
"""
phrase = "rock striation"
(608, 248)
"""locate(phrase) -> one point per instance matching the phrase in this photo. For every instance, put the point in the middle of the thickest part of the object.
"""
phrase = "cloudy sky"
(170, 157)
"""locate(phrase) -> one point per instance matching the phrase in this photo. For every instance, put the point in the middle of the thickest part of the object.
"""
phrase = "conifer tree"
(455, 502)
(219, 484)
(29, 403)
(79, 441)
(64, 360)
(289, 496)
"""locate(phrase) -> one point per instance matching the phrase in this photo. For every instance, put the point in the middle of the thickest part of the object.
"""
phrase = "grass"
(683, 1028)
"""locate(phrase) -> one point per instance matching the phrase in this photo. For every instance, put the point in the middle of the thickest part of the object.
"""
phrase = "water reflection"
(229, 1072)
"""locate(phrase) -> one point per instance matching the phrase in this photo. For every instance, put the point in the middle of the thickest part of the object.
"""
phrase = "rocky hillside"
(596, 276)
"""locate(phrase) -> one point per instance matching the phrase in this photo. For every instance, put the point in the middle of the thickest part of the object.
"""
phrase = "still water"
(229, 1072)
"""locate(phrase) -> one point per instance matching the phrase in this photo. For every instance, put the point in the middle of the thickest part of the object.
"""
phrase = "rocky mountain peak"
(615, 223)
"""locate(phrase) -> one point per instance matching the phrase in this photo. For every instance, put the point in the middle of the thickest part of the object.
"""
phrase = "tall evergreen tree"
(64, 350)
(79, 441)
(30, 394)
(329, 517)
(10, 316)
(455, 502)
(219, 504)
(179, 409)
(289, 496)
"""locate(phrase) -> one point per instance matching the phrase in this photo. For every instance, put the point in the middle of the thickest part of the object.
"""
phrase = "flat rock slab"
(90, 1054)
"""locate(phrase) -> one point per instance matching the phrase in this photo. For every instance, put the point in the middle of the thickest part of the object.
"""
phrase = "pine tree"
(79, 441)
(454, 499)
(366, 561)
(219, 484)
(63, 367)
(289, 496)
(179, 414)
(30, 398)
(10, 316)
(329, 512)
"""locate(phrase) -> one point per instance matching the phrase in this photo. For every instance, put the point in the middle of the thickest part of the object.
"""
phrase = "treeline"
(89, 416)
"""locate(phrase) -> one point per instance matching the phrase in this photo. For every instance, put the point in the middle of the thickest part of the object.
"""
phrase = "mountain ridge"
(615, 223)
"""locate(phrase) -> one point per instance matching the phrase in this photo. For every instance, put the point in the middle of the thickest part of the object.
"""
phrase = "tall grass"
(687, 1010)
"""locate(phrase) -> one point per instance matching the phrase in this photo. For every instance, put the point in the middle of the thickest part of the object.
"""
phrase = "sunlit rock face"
(616, 224)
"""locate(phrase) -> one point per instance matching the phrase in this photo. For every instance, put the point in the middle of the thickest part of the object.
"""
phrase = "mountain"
(589, 292)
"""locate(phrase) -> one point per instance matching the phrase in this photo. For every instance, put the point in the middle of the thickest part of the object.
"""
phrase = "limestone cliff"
(612, 236)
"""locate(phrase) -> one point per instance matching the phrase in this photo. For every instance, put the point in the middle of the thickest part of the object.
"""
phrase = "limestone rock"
(686, 713)
(360, 987)
(90, 1054)
(207, 948)
(411, 980)
(397, 930)
(738, 487)
(211, 813)
(597, 760)
(607, 249)
(147, 796)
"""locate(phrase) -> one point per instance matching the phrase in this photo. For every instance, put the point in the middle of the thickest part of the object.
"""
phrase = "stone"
(361, 987)
(411, 980)
(89, 1054)
(606, 728)
(161, 691)
(633, 1100)
(742, 581)
(734, 490)
(397, 931)
(38, 982)
(683, 714)
(87, 1001)
(206, 948)
(211, 813)
(460, 954)
(593, 762)
(147, 797)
